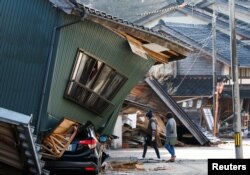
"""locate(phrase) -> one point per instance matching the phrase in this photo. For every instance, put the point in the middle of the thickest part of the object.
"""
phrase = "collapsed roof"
(143, 41)
(201, 136)
(18, 147)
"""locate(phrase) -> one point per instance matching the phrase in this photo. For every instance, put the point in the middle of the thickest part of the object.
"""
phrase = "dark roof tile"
(189, 86)
(202, 35)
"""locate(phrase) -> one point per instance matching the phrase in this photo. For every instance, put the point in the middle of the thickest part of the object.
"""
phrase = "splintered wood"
(56, 143)
(134, 137)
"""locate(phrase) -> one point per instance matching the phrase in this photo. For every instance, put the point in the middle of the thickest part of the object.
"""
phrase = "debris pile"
(123, 166)
(57, 141)
(135, 127)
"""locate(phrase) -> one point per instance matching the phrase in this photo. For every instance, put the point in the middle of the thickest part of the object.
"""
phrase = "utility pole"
(235, 94)
(214, 69)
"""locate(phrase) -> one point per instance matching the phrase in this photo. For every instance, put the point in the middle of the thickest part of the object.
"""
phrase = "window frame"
(98, 98)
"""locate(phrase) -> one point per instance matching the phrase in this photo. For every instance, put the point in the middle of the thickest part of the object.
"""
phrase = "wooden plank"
(56, 143)
(158, 56)
(146, 36)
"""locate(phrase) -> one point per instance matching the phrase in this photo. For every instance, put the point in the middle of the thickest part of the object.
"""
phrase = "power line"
(196, 55)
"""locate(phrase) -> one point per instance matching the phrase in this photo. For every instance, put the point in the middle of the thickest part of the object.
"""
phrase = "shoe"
(141, 158)
(172, 159)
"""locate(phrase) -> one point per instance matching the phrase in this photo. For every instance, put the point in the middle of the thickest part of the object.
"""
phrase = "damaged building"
(73, 61)
(190, 81)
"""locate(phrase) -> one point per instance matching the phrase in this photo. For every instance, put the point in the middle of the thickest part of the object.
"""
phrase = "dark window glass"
(93, 84)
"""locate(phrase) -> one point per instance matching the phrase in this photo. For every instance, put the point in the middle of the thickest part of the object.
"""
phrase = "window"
(243, 73)
(93, 84)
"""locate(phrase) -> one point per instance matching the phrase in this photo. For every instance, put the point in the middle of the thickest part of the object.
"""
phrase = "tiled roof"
(222, 21)
(130, 10)
(151, 16)
(178, 111)
(202, 36)
(203, 11)
(69, 6)
(189, 86)
(133, 25)
(197, 86)
(114, 18)
(79, 9)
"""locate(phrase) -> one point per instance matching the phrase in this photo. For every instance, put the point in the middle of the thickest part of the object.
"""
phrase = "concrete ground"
(190, 160)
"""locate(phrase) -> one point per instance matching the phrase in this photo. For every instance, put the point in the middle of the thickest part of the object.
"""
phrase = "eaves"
(196, 47)
(139, 36)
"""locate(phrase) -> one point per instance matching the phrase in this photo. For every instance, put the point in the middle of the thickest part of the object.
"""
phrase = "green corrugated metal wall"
(105, 45)
(25, 34)
(25, 42)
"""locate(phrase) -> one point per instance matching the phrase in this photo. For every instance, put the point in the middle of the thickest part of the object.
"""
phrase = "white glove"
(153, 139)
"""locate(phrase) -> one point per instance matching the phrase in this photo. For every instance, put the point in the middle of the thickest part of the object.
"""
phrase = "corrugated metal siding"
(25, 35)
(104, 44)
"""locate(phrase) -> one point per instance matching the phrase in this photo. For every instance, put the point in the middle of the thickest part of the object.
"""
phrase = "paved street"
(190, 160)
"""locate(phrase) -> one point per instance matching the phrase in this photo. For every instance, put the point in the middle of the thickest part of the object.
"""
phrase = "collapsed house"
(74, 61)
(192, 124)
(198, 65)
(18, 145)
(190, 82)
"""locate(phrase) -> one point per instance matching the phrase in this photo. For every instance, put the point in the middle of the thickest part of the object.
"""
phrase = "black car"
(83, 155)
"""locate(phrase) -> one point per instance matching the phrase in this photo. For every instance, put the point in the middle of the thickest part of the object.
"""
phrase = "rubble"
(57, 141)
(124, 166)
(133, 137)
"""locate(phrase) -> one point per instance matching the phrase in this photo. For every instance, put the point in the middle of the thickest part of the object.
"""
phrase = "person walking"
(171, 136)
(151, 137)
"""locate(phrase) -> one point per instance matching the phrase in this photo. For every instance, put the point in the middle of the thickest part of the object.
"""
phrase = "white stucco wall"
(117, 143)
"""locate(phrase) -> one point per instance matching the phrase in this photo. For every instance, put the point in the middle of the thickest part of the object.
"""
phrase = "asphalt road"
(191, 160)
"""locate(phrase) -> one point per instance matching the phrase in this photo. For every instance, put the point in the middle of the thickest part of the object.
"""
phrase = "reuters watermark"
(228, 166)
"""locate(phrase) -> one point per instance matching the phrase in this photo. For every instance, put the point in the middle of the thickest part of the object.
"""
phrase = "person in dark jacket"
(171, 136)
(150, 139)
